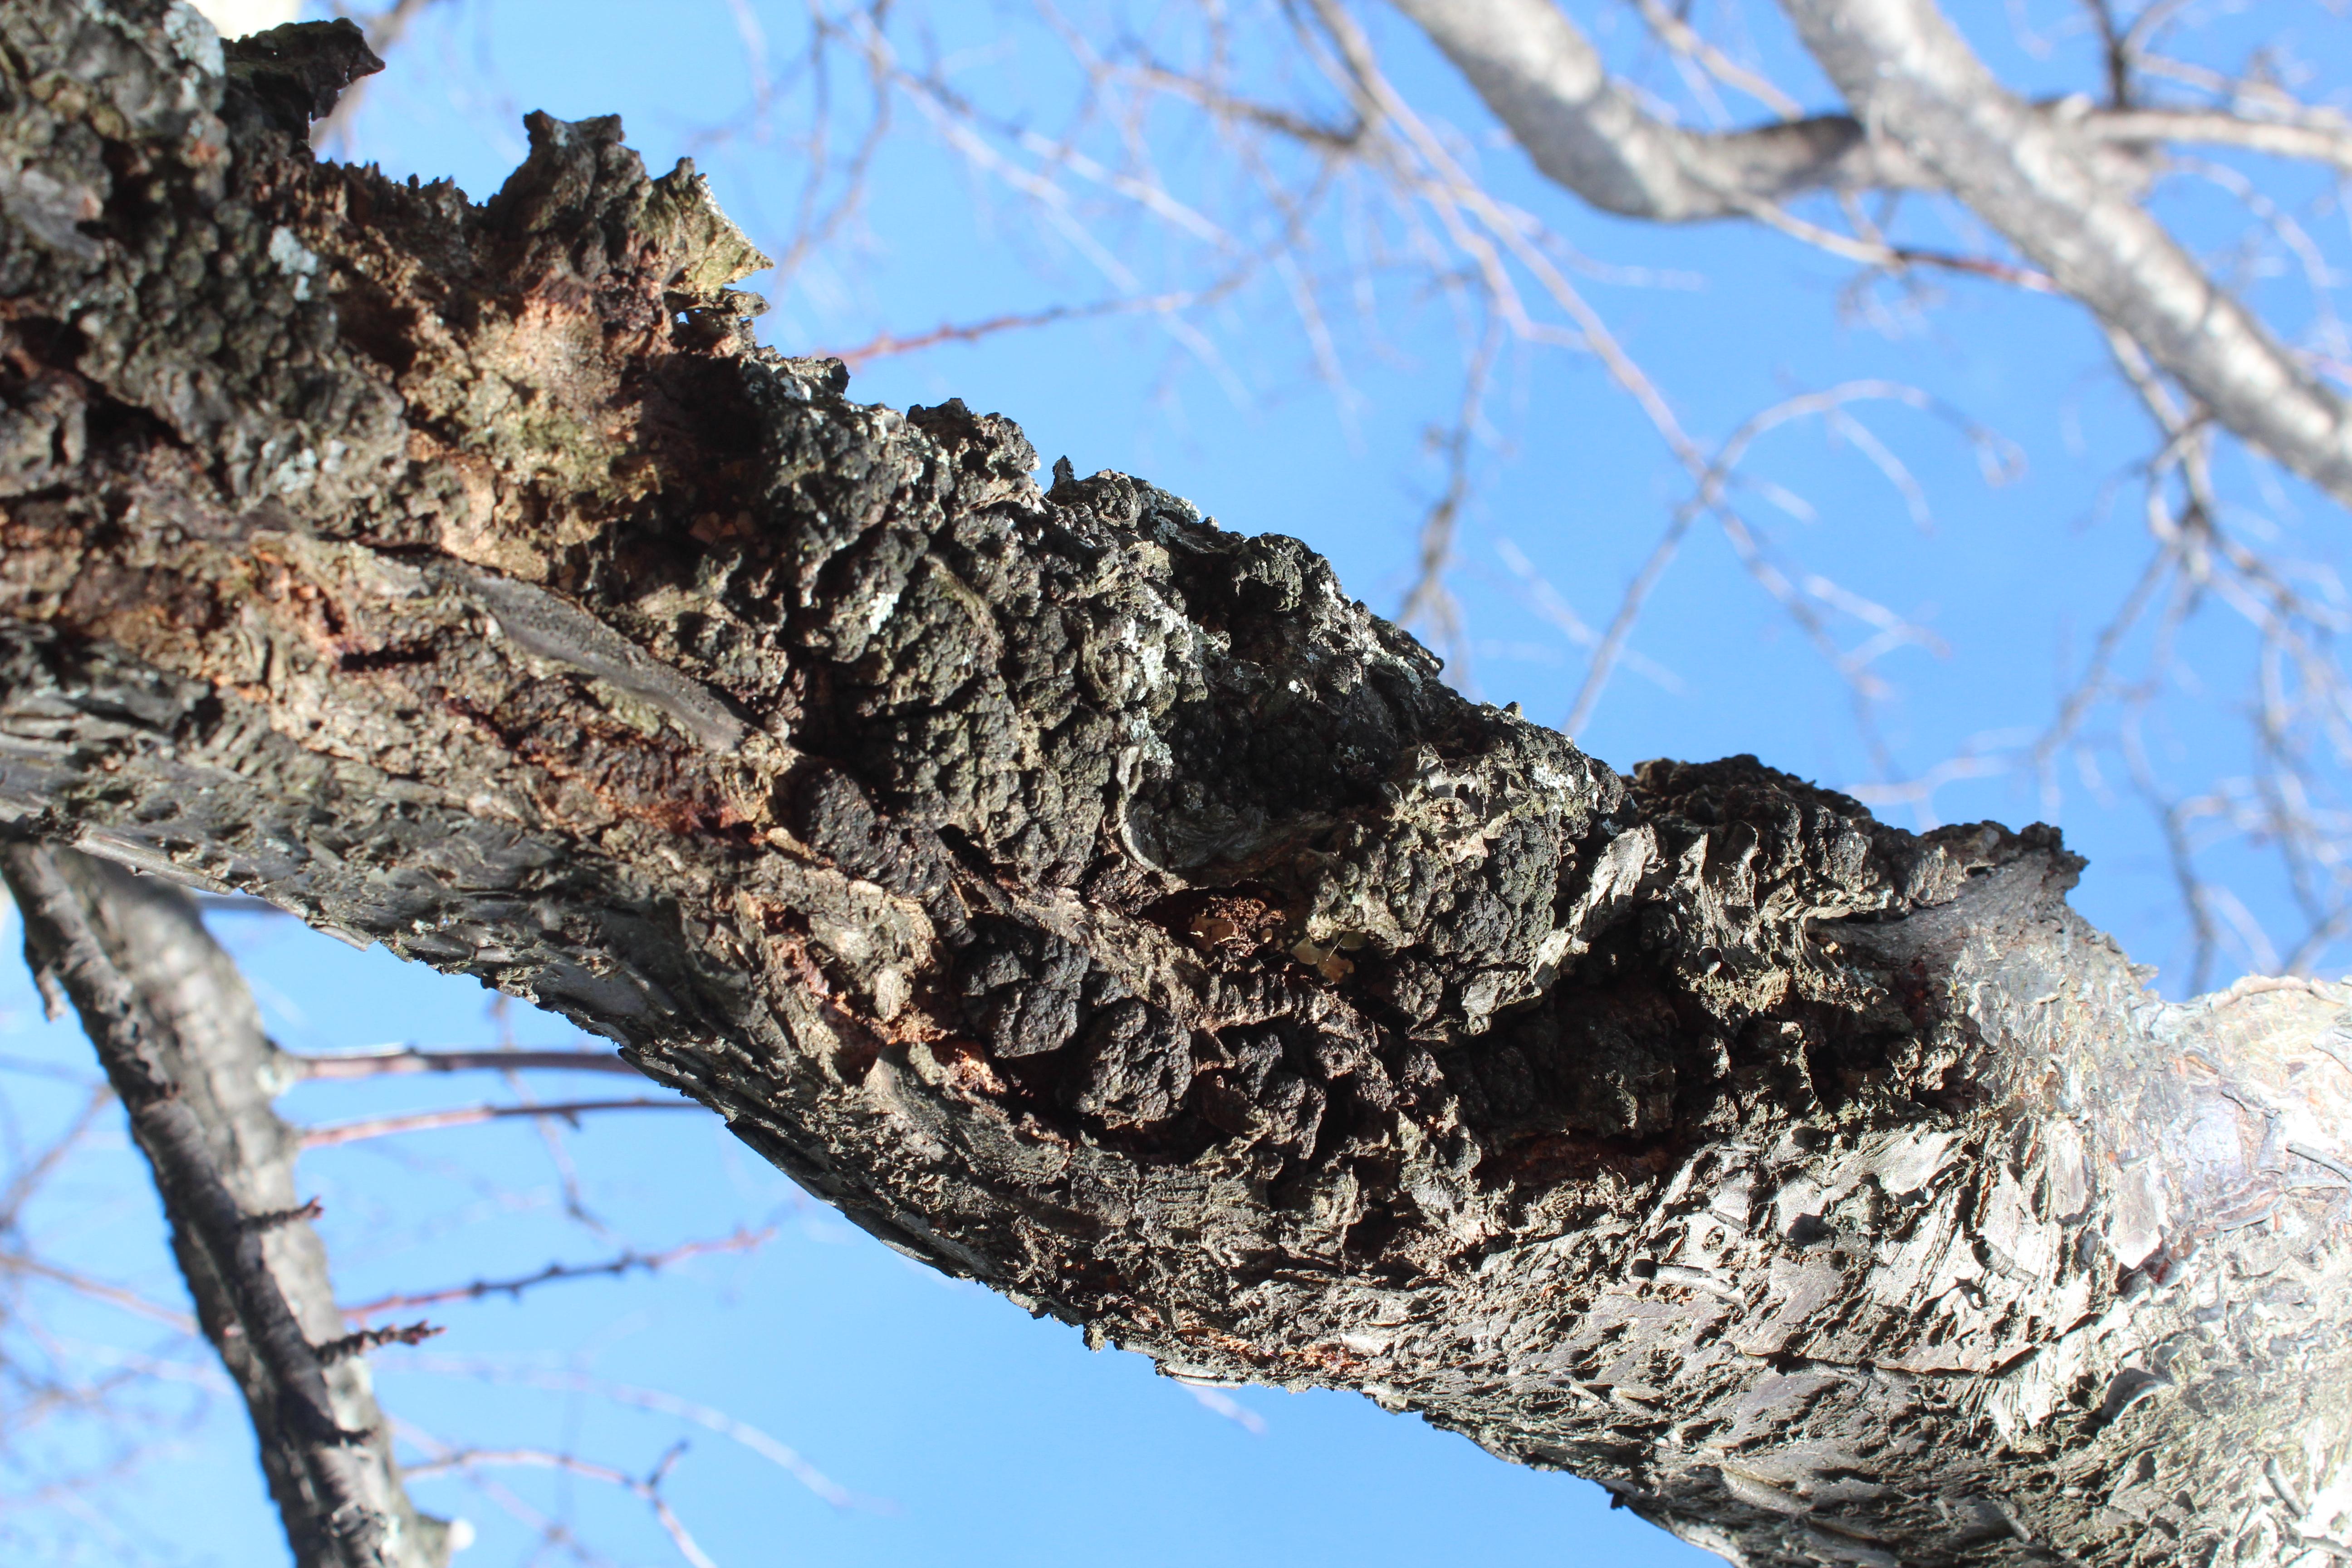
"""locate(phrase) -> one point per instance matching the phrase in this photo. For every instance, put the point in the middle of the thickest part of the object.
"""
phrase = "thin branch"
(649, 1262)
(336, 1133)
(1429, 603)
(709, 1417)
(366, 1340)
(1685, 39)
(884, 344)
(33, 1173)
(2316, 143)
(647, 1488)
(98, 1290)
(390, 1061)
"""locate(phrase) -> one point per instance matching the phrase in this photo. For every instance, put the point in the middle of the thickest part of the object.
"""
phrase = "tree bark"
(2061, 180)
(1103, 905)
(180, 1040)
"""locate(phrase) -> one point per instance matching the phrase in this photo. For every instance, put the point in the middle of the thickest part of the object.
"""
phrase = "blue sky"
(967, 1432)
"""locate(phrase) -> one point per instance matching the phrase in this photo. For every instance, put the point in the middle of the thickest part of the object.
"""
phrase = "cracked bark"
(1101, 905)
(182, 1045)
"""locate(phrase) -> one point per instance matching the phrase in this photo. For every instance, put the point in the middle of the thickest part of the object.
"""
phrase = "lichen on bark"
(1101, 904)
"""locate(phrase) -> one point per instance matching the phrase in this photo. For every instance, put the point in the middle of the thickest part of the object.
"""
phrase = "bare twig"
(34, 1172)
(628, 1262)
(471, 1115)
(388, 1061)
(1428, 603)
(2317, 141)
(708, 1418)
(98, 1290)
(884, 344)
(366, 1340)
(648, 1487)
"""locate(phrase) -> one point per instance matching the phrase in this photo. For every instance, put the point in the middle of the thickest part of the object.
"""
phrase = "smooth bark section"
(182, 1045)
(2277, 139)
(1908, 75)
(1925, 115)
(1105, 906)
(1546, 82)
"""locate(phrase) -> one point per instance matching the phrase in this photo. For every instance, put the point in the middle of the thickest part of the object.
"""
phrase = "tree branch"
(649, 1262)
(1544, 80)
(471, 1116)
(2047, 177)
(1910, 76)
(1099, 904)
(396, 1061)
(2316, 143)
(178, 1038)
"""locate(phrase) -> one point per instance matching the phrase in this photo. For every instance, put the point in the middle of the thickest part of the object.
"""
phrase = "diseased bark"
(177, 1034)
(1102, 906)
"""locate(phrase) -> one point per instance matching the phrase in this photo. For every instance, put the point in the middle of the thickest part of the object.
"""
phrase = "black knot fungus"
(1138, 1066)
(1022, 989)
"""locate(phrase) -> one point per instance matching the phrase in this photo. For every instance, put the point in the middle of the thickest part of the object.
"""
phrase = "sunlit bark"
(1101, 905)
(181, 1042)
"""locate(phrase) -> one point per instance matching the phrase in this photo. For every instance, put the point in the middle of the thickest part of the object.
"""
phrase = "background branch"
(631, 1260)
(182, 1045)
(401, 1061)
(1908, 74)
(471, 1115)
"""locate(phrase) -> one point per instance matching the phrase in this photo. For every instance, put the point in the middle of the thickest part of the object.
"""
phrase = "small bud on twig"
(367, 1339)
(274, 1219)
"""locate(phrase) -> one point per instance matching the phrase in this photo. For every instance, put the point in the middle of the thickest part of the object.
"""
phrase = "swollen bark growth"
(1101, 905)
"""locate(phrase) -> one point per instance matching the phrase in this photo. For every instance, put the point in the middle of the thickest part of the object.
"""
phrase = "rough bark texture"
(1102, 905)
(181, 1042)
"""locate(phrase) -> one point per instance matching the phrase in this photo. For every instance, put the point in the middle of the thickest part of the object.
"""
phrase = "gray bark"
(1546, 82)
(1101, 905)
(1908, 74)
(181, 1042)
(2059, 180)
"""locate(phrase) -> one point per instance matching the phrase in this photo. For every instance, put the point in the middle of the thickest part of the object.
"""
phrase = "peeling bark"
(1100, 905)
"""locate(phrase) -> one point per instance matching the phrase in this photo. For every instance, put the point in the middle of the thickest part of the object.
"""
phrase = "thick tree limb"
(182, 1045)
(1101, 905)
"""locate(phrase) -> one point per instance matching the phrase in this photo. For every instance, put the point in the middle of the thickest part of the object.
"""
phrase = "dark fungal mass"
(1207, 855)
(1375, 893)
